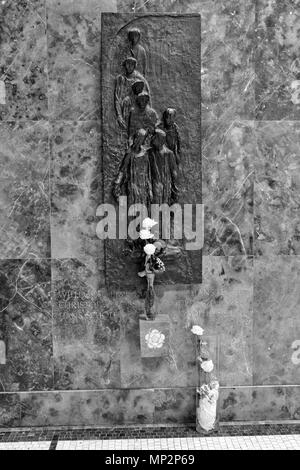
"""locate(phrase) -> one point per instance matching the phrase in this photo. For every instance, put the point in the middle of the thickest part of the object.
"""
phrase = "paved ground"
(258, 437)
(277, 442)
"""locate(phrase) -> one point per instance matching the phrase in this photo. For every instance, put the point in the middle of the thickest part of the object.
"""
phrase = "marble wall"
(73, 353)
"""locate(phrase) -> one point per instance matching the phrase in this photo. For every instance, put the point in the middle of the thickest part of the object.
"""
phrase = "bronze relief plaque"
(151, 132)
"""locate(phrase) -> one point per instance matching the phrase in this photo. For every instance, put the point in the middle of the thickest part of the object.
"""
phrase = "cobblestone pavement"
(238, 437)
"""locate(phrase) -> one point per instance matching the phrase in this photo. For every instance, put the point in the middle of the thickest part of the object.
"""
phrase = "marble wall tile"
(227, 52)
(273, 13)
(178, 368)
(23, 60)
(293, 401)
(108, 407)
(276, 319)
(10, 409)
(86, 329)
(156, 406)
(24, 190)
(76, 180)
(97, 339)
(277, 63)
(26, 322)
(259, 404)
(73, 31)
(277, 188)
(73, 408)
(235, 404)
(224, 308)
(175, 406)
(228, 176)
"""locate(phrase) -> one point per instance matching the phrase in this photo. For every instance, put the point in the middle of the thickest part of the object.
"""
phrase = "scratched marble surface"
(258, 404)
(86, 329)
(26, 321)
(10, 410)
(277, 12)
(23, 60)
(277, 87)
(178, 367)
(76, 182)
(74, 35)
(24, 190)
(276, 319)
(96, 334)
(228, 178)
(277, 188)
(104, 407)
(224, 308)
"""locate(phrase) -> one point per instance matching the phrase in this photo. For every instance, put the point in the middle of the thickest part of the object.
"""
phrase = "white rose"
(295, 88)
(207, 366)
(155, 339)
(149, 249)
(148, 223)
(197, 330)
(146, 234)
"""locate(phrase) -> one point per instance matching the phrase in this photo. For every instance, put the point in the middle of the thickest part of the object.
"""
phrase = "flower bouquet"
(208, 392)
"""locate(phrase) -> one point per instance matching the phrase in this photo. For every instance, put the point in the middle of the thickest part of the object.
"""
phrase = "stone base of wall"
(144, 407)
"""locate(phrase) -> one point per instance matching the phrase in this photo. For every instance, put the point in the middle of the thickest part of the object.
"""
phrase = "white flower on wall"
(197, 330)
(148, 223)
(145, 234)
(155, 339)
(149, 249)
(207, 366)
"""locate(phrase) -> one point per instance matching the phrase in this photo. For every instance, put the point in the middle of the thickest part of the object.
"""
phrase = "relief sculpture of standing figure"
(123, 87)
(130, 101)
(134, 173)
(169, 126)
(142, 116)
(136, 50)
(164, 170)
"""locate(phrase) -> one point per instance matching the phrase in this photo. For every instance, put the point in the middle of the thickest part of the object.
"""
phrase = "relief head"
(142, 100)
(139, 139)
(129, 65)
(138, 87)
(158, 139)
(134, 36)
(169, 116)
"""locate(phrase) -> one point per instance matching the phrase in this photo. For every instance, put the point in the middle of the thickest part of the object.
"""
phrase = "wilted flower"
(145, 234)
(197, 330)
(207, 366)
(148, 223)
(149, 249)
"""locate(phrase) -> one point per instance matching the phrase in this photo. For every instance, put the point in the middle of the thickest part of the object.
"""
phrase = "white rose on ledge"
(197, 330)
(207, 366)
(148, 223)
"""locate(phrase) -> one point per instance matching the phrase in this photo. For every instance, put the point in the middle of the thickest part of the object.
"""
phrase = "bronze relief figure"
(171, 129)
(134, 178)
(164, 170)
(142, 116)
(123, 87)
(151, 113)
(136, 50)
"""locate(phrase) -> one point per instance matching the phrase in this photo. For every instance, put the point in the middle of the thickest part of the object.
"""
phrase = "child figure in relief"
(134, 178)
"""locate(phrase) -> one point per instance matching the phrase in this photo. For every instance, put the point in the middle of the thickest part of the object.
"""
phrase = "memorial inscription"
(151, 113)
